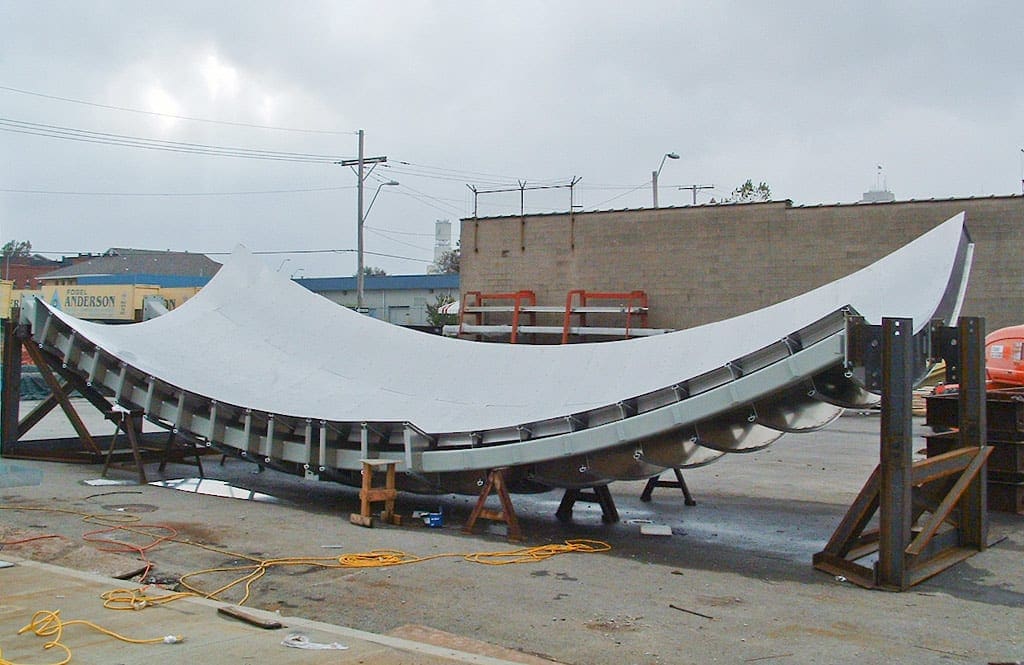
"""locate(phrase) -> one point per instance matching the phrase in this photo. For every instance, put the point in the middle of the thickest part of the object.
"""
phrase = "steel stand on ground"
(10, 393)
(496, 483)
(599, 494)
(62, 382)
(656, 481)
(60, 393)
(169, 450)
(369, 494)
(932, 513)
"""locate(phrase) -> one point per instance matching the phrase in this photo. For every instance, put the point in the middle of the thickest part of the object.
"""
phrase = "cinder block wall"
(705, 263)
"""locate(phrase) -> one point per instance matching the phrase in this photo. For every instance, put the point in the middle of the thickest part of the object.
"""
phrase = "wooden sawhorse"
(495, 482)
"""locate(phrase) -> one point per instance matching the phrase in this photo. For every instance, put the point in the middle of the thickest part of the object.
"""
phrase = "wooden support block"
(359, 520)
(368, 494)
(251, 619)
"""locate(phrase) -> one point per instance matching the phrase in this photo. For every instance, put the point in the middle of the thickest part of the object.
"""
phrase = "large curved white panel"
(252, 337)
(258, 365)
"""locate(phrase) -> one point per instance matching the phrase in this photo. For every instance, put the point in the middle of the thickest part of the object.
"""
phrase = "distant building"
(24, 271)
(135, 266)
(398, 299)
(880, 193)
(878, 196)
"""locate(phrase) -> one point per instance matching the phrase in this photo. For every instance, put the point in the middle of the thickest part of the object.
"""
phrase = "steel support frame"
(911, 549)
(61, 393)
(10, 391)
(599, 494)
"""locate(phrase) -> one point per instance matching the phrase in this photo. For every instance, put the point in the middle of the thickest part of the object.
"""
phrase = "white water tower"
(442, 239)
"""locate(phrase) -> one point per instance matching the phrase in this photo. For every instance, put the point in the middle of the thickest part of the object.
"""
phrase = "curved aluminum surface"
(796, 409)
(258, 365)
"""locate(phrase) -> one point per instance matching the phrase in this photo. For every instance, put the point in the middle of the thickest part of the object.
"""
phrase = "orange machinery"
(1004, 357)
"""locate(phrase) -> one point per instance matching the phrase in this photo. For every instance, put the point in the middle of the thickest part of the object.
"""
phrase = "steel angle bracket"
(946, 347)
(863, 352)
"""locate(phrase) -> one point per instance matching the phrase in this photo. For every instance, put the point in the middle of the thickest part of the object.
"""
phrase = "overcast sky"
(806, 97)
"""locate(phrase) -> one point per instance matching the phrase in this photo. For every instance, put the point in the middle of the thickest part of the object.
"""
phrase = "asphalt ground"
(732, 584)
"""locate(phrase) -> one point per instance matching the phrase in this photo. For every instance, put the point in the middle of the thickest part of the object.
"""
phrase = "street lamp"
(655, 174)
(359, 244)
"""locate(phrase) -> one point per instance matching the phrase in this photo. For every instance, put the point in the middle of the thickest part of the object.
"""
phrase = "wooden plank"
(249, 618)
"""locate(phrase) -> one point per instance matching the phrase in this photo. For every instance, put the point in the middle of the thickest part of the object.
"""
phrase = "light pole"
(359, 242)
(655, 174)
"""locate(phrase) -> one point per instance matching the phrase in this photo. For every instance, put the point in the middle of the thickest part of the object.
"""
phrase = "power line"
(414, 193)
(383, 234)
(438, 173)
(619, 196)
(456, 171)
(401, 233)
(172, 115)
(86, 136)
(174, 194)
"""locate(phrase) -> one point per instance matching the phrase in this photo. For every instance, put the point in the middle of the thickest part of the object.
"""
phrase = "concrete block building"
(699, 264)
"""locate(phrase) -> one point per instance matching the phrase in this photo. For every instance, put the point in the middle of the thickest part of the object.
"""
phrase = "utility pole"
(694, 188)
(360, 164)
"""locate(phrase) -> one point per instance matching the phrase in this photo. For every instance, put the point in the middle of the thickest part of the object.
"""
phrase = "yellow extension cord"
(46, 623)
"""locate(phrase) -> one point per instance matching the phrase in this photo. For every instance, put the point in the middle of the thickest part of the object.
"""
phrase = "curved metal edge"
(318, 446)
(796, 410)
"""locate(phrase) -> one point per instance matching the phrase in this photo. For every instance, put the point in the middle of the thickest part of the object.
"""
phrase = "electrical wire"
(426, 199)
(249, 573)
(47, 623)
(106, 138)
(384, 234)
(619, 196)
(478, 177)
(5, 543)
(50, 192)
(172, 115)
(400, 233)
(442, 169)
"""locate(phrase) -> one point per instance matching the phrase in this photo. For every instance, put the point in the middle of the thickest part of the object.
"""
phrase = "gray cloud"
(805, 96)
